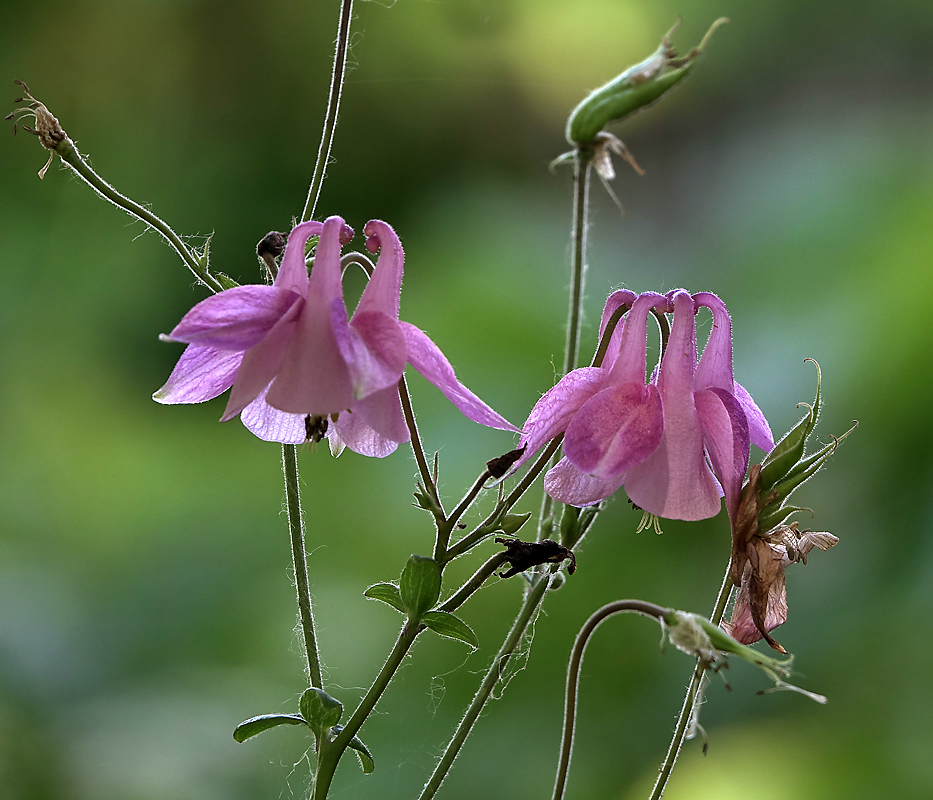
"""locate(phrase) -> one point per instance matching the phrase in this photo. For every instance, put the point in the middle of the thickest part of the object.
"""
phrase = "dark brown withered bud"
(524, 555)
(499, 465)
(273, 244)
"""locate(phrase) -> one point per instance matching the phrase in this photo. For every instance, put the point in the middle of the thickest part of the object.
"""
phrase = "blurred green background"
(145, 601)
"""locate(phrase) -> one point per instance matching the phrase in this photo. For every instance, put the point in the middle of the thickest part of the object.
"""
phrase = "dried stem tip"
(47, 129)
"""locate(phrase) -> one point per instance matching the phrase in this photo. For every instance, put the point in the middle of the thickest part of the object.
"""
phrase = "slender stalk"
(690, 700)
(487, 526)
(478, 578)
(573, 674)
(70, 155)
(581, 200)
(300, 562)
(444, 530)
(581, 184)
(416, 447)
(527, 613)
(330, 755)
(333, 107)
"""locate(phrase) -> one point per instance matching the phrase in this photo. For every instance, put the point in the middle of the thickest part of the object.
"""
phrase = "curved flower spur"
(678, 442)
(292, 356)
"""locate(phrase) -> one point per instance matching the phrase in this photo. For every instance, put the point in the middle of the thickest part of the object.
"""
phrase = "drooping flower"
(677, 442)
(295, 361)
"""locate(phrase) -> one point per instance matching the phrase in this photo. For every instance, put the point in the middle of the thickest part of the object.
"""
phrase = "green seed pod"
(637, 87)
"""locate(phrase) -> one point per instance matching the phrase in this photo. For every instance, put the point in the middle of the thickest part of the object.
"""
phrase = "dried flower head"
(48, 130)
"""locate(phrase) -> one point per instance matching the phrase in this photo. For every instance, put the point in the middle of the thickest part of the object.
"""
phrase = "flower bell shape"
(678, 442)
(291, 355)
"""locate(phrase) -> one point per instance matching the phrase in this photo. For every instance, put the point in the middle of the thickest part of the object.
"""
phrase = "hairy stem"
(333, 108)
(300, 562)
(427, 479)
(573, 674)
(693, 690)
(70, 155)
(533, 598)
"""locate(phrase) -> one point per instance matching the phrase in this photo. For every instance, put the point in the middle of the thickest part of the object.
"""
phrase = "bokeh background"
(146, 605)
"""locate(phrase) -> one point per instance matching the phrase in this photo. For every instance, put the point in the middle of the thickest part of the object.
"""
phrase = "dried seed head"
(48, 130)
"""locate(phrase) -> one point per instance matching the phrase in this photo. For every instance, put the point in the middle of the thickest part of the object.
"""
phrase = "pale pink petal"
(725, 433)
(385, 286)
(426, 357)
(630, 364)
(614, 430)
(381, 411)
(715, 367)
(201, 374)
(235, 319)
(553, 412)
(374, 348)
(617, 299)
(674, 481)
(353, 431)
(293, 271)
(313, 377)
(262, 362)
(758, 428)
(566, 484)
(272, 425)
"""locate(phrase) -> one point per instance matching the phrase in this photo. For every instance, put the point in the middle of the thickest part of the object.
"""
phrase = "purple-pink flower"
(677, 442)
(290, 355)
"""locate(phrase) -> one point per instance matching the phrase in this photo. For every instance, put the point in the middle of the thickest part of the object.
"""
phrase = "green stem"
(330, 755)
(70, 155)
(573, 674)
(333, 107)
(416, 447)
(478, 578)
(444, 530)
(690, 699)
(530, 606)
(488, 525)
(300, 562)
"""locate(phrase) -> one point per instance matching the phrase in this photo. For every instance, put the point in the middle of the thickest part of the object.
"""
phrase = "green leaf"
(420, 585)
(512, 523)
(254, 725)
(450, 626)
(387, 593)
(320, 710)
(362, 752)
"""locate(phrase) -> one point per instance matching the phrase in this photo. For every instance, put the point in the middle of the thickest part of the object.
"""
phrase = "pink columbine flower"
(677, 442)
(289, 353)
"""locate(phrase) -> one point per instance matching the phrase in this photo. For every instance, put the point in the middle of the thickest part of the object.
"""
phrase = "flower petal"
(201, 374)
(623, 297)
(385, 286)
(235, 319)
(715, 367)
(674, 481)
(758, 428)
(381, 411)
(725, 433)
(629, 365)
(566, 484)
(353, 431)
(374, 348)
(272, 425)
(614, 430)
(293, 271)
(426, 357)
(314, 377)
(262, 362)
(554, 411)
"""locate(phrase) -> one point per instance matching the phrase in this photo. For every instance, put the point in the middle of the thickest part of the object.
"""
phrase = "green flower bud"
(637, 87)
